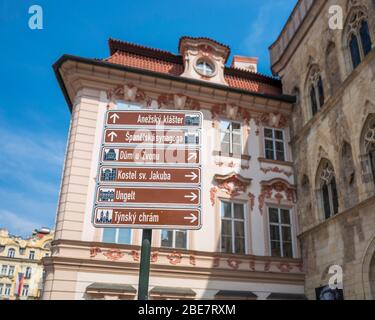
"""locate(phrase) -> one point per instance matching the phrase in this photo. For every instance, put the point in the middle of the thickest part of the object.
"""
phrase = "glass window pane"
(326, 203)
(226, 228)
(124, 236)
(167, 238)
(181, 237)
(321, 92)
(269, 144)
(226, 209)
(238, 211)
(225, 137)
(224, 125)
(239, 229)
(335, 201)
(237, 149)
(239, 245)
(279, 135)
(274, 215)
(279, 146)
(288, 250)
(314, 104)
(270, 154)
(225, 148)
(354, 51)
(268, 133)
(287, 234)
(285, 216)
(237, 138)
(226, 244)
(280, 155)
(236, 126)
(275, 249)
(109, 235)
(275, 232)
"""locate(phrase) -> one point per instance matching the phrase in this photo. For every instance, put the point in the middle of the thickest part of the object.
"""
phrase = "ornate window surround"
(314, 82)
(278, 193)
(325, 175)
(234, 188)
(356, 16)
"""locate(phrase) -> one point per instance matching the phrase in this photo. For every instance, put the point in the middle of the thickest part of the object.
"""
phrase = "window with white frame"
(28, 273)
(233, 234)
(4, 270)
(32, 255)
(176, 239)
(230, 133)
(7, 290)
(11, 253)
(205, 68)
(274, 144)
(119, 236)
(281, 241)
(11, 271)
(25, 290)
(1, 289)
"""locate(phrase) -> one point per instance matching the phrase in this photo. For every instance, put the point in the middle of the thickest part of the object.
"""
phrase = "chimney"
(245, 63)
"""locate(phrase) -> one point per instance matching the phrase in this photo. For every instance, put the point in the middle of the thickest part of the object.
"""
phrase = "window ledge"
(282, 163)
(324, 223)
(231, 155)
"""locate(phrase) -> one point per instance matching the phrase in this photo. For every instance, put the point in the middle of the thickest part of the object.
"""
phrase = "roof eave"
(57, 65)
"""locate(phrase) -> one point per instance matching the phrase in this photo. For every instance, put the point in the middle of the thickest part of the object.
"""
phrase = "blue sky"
(34, 117)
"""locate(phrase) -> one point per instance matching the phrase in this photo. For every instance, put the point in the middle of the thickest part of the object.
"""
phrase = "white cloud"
(16, 224)
(30, 171)
(266, 26)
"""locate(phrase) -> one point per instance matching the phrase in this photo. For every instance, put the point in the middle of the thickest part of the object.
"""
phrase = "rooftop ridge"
(159, 54)
(119, 45)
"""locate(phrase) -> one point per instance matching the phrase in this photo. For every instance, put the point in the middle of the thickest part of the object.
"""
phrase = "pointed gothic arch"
(315, 91)
(357, 39)
(327, 189)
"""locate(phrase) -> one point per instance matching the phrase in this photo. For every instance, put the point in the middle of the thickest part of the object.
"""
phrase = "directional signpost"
(149, 176)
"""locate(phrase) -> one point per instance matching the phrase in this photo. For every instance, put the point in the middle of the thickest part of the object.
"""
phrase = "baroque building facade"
(332, 73)
(247, 247)
(21, 273)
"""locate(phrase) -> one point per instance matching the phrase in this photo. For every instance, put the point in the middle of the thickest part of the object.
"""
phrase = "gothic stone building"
(332, 73)
(247, 247)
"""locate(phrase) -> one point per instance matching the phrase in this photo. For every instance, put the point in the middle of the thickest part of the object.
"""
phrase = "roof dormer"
(204, 59)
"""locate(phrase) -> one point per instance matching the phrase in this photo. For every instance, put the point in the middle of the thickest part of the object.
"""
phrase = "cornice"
(114, 73)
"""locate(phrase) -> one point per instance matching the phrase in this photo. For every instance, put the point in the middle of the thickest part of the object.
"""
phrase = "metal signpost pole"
(144, 269)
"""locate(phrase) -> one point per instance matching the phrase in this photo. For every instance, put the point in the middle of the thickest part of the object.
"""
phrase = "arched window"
(316, 92)
(328, 189)
(358, 37)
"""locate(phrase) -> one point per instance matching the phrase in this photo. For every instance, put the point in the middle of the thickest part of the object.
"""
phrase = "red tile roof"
(136, 56)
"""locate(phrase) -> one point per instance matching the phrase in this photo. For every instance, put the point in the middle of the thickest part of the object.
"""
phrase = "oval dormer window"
(205, 68)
